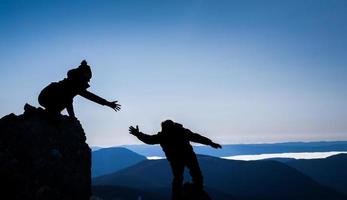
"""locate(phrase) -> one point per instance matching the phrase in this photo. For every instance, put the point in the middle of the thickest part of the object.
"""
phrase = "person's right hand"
(134, 131)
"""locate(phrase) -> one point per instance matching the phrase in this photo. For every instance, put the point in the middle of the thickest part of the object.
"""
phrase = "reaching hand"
(216, 146)
(134, 131)
(114, 105)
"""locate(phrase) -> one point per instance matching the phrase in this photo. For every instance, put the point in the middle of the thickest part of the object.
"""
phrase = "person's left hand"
(216, 146)
(114, 105)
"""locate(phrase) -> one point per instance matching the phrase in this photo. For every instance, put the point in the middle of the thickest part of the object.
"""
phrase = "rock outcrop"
(43, 157)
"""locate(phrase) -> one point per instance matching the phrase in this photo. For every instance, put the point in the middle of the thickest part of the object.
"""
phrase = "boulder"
(43, 157)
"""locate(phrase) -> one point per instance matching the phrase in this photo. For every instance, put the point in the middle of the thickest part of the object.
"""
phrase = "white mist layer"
(155, 157)
(301, 155)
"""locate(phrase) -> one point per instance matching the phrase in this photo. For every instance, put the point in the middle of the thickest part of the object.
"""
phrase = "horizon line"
(260, 143)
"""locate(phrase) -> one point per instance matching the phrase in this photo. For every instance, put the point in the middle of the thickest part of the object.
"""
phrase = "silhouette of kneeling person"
(58, 96)
(175, 142)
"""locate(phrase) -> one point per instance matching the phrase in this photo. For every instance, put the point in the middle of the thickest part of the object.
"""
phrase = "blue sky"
(235, 71)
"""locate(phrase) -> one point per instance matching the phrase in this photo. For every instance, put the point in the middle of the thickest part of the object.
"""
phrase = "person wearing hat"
(58, 96)
(175, 142)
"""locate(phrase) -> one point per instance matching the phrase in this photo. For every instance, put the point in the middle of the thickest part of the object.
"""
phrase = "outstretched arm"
(95, 98)
(194, 137)
(148, 139)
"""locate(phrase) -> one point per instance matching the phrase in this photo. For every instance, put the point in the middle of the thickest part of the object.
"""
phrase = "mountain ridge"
(330, 171)
(247, 179)
(108, 160)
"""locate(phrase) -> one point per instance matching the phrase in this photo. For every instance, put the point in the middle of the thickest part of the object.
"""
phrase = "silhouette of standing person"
(58, 96)
(175, 142)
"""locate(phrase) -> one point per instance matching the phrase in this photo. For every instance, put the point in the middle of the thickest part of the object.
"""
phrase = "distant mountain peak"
(112, 159)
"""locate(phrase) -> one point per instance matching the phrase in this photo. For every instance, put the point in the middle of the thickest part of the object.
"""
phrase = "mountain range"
(231, 179)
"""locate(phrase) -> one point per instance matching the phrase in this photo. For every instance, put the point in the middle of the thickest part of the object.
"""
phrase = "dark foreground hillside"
(236, 179)
(127, 193)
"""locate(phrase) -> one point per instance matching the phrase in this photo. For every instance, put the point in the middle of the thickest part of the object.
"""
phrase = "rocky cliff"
(43, 157)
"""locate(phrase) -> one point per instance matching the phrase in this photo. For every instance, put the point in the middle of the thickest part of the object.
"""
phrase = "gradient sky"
(235, 71)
